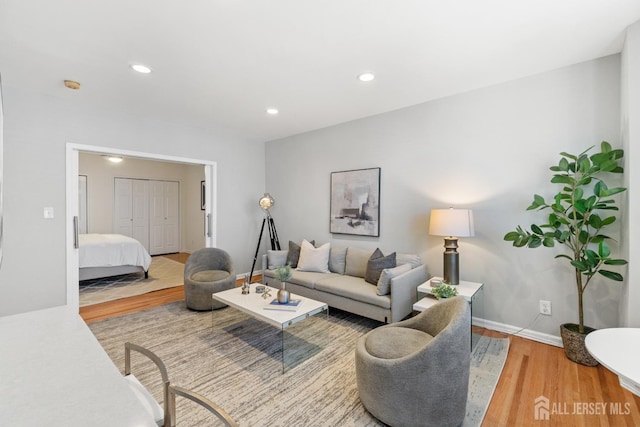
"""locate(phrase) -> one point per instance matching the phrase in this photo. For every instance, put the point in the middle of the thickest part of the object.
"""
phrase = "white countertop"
(54, 372)
(617, 349)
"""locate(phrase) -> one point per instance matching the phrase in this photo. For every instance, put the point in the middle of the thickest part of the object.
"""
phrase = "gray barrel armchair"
(206, 271)
(416, 372)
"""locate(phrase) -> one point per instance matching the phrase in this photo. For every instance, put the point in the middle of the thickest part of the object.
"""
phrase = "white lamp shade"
(451, 222)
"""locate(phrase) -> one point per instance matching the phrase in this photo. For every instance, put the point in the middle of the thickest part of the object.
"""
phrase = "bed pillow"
(384, 282)
(276, 259)
(378, 262)
(294, 253)
(356, 261)
(314, 259)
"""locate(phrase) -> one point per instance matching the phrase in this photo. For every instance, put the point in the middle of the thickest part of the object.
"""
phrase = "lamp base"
(450, 258)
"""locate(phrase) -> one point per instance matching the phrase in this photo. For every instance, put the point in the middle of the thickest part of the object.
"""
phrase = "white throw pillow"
(384, 283)
(314, 259)
(276, 259)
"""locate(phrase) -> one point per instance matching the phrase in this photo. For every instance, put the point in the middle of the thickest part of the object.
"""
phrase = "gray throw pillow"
(337, 259)
(384, 283)
(356, 261)
(276, 259)
(378, 262)
(294, 253)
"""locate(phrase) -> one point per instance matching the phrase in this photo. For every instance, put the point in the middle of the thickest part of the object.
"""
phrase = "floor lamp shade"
(451, 223)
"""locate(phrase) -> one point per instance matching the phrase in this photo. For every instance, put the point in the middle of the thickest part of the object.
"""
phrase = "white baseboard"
(514, 330)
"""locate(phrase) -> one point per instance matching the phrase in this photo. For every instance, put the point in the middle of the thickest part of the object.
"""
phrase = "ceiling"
(218, 64)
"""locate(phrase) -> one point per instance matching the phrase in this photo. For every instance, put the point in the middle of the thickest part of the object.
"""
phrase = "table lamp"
(451, 223)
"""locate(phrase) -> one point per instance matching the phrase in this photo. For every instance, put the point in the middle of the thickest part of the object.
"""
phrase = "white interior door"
(140, 211)
(123, 208)
(164, 217)
(82, 204)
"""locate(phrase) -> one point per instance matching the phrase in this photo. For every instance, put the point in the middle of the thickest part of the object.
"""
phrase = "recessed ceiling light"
(272, 111)
(114, 159)
(141, 68)
(366, 77)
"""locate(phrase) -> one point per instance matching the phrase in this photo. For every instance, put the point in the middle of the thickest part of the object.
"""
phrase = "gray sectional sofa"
(343, 284)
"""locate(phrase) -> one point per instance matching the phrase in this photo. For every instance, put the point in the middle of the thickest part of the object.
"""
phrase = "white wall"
(488, 150)
(37, 128)
(100, 182)
(629, 313)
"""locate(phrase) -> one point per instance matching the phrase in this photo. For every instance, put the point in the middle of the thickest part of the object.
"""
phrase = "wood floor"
(577, 395)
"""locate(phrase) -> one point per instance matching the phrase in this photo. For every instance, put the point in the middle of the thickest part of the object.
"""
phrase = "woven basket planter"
(573, 342)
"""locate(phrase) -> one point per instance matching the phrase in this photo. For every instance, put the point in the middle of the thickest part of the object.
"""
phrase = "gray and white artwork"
(355, 202)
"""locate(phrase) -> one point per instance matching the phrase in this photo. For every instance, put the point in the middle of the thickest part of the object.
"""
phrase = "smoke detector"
(72, 85)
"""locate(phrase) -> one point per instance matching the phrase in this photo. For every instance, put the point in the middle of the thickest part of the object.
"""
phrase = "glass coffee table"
(256, 306)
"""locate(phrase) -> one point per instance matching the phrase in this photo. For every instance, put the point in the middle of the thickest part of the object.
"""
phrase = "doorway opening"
(73, 206)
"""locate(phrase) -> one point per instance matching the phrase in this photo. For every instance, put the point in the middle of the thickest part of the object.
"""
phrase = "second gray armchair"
(206, 271)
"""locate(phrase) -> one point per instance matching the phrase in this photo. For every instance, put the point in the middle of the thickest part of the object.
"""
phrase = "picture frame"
(355, 202)
(202, 196)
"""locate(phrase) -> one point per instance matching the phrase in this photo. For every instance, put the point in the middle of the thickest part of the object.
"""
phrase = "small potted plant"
(283, 274)
(444, 291)
(578, 217)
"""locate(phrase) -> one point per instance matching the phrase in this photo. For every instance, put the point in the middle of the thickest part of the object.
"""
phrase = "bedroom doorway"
(73, 152)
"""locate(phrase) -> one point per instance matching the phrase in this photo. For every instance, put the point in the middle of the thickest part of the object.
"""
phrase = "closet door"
(140, 211)
(82, 204)
(131, 209)
(122, 208)
(164, 218)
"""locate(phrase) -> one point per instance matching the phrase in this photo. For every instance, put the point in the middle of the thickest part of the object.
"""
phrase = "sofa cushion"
(209, 276)
(378, 262)
(308, 279)
(354, 288)
(276, 259)
(314, 259)
(294, 253)
(393, 342)
(337, 259)
(356, 261)
(384, 283)
(411, 259)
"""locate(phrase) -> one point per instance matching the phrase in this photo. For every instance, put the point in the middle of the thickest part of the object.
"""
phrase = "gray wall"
(488, 150)
(37, 128)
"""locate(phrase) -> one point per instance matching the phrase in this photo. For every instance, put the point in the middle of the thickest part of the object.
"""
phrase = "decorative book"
(292, 305)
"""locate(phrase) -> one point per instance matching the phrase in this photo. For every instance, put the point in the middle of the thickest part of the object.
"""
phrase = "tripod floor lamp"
(265, 203)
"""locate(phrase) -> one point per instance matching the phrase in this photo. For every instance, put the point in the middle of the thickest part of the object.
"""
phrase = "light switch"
(48, 213)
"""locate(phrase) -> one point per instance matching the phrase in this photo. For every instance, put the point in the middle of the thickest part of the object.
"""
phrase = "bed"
(105, 255)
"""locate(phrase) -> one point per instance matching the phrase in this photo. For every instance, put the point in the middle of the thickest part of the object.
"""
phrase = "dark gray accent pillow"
(294, 253)
(378, 262)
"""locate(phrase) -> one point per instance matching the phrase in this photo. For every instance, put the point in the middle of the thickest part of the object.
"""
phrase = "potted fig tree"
(579, 214)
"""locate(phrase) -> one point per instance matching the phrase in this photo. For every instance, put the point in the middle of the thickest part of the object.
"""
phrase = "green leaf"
(608, 220)
(534, 241)
(570, 156)
(616, 262)
(564, 256)
(511, 236)
(603, 250)
(581, 206)
(536, 229)
(579, 265)
(616, 190)
(611, 275)
(605, 147)
(563, 179)
(584, 163)
(609, 165)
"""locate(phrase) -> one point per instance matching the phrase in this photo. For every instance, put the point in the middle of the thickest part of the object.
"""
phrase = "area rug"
(163, 273)
(236, 361)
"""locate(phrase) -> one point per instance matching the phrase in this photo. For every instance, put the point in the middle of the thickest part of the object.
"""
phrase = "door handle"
(208, 227)
(76, 237)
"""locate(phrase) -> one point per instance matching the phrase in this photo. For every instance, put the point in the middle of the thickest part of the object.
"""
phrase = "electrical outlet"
(545, 307)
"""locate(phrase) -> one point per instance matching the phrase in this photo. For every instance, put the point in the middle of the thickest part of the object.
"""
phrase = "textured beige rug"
(235, 360)
(163, 273)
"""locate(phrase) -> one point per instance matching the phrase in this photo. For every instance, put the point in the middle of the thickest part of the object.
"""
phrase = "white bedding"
(108, 250)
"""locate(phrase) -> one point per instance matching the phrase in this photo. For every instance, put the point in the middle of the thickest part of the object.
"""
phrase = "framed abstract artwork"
(355, 202)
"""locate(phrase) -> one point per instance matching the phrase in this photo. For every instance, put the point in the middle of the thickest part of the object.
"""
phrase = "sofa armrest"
(404, 292)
